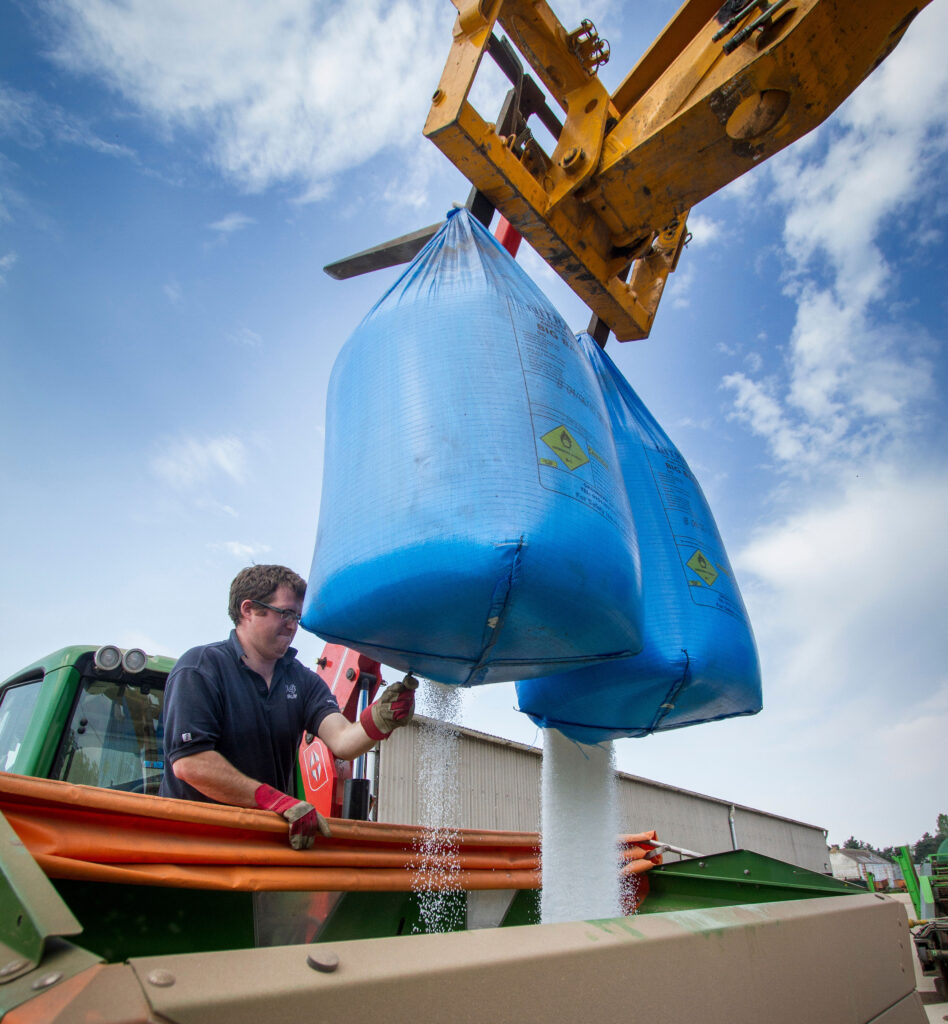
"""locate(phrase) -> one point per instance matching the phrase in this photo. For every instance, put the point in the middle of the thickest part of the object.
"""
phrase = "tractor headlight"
(107, 658)
(134, 659)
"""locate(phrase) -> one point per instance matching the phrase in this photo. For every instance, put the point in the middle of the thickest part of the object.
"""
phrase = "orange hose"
(85, 833)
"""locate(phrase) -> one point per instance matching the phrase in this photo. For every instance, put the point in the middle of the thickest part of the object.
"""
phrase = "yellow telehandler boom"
(720, 90)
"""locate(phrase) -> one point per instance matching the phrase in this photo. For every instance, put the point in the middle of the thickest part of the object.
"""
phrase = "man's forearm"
(347, 740)
(393, 709)
(213, 775)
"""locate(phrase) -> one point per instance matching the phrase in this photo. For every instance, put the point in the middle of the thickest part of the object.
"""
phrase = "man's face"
(266, 630)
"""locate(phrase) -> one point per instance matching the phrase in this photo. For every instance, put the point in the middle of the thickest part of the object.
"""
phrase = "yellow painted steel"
(695, 113)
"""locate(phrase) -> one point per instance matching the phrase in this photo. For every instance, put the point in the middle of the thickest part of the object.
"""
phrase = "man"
(235, 711)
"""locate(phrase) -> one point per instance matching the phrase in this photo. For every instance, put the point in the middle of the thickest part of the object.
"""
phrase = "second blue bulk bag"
(474, 526)
(699, 660)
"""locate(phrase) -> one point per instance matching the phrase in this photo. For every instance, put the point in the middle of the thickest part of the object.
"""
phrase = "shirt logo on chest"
(291, 691)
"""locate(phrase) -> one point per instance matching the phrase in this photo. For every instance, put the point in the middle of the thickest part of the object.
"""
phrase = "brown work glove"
(393, 709)
(305, 821)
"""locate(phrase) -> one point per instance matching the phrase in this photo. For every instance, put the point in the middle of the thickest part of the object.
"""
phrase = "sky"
(173, 178)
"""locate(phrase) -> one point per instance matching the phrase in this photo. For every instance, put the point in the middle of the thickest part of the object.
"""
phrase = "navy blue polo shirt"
(213, 701)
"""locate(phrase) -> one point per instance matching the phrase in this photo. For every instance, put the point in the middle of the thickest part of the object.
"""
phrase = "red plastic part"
(508, 236)
(341, 668)
(324, 777)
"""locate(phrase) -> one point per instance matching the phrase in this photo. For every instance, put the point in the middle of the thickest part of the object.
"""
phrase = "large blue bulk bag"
(473, 525)
(699, 660)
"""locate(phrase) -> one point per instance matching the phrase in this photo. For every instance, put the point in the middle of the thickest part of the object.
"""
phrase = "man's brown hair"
(258, 582)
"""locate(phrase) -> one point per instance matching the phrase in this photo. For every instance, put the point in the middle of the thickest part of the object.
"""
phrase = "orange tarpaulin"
(85, 833)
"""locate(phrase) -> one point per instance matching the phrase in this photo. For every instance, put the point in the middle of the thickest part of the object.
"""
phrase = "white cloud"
(679, 286)
(241, 551)
(411, 184)
(189, 462)
(17, 110)
(31, 121)
(842, 593)
(6, 263)
(9, 196)
(755, 362)
(758, 405)
(245, 337)
(704, 230)
(209, 504)
(856, 388)
(288, 91)
(689, 422)
(924, 728)
(232, 222)
(858, 373)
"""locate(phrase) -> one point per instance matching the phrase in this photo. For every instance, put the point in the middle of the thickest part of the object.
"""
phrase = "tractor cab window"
(113, 739)
(16, 710)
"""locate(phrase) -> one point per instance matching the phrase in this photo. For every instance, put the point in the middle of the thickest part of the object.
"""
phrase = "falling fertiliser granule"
(440, 893)
(579, 826)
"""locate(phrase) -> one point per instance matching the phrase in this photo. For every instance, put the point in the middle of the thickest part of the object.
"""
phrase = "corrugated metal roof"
(484, 781)
(537, 752)
(860, 856)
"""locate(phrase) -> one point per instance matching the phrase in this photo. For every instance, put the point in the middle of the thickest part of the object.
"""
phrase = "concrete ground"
(935, 1007)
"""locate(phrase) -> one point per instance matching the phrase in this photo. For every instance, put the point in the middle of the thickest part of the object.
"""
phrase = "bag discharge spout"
(474, 526)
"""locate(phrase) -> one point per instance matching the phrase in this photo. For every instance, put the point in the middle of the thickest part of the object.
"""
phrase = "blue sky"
(173, 177)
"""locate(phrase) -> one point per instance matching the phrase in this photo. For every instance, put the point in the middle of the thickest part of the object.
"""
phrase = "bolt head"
(323, 961)
(47, 980)
(161, 979)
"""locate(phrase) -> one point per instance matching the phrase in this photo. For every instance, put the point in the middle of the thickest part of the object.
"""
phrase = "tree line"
(921, 850)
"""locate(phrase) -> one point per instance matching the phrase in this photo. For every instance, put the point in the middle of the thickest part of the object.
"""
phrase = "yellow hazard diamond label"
(566, 447)
(699, 564)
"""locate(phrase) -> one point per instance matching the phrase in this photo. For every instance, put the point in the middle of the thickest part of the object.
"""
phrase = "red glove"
(305, 821)
(392, 710)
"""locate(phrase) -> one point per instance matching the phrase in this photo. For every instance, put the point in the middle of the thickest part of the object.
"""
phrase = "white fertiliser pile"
(579, 828)
(579, 822)
(436, 857)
